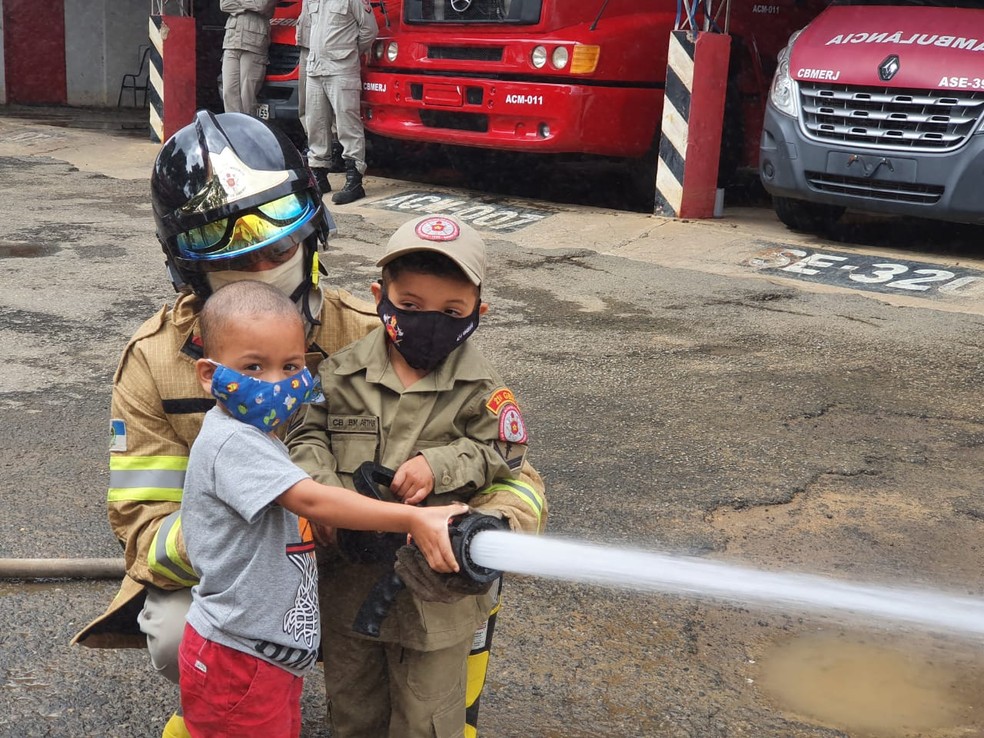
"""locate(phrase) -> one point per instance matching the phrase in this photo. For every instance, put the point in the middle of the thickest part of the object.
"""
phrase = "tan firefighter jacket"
(464, 421)
(341, 32)
(248, 25)
(157, 410)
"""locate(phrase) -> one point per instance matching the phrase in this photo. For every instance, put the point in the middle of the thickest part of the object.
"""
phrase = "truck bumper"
(941, 186)
(510, 115)
(278, 101)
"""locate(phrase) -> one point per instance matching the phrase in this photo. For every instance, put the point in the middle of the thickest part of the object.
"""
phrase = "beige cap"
(444, 234)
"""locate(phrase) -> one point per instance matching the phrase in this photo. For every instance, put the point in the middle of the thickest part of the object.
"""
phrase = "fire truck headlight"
(559, 57)
(377, 50)
(539, 57)
(391, 50)
(585, 58)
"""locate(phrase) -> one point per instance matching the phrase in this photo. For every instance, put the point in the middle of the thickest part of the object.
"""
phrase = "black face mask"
(425, 338)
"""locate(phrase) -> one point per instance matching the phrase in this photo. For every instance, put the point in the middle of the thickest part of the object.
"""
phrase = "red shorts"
(226, 693)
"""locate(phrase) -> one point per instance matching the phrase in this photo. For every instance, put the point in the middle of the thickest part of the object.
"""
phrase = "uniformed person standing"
(341, 32)
(244, 55)
(303, 42)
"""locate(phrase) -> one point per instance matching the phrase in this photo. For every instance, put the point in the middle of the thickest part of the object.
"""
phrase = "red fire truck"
(558, 76)
(578, 77)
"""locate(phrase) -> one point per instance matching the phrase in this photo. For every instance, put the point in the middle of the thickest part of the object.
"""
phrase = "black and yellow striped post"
(693, 118)
(172, 83)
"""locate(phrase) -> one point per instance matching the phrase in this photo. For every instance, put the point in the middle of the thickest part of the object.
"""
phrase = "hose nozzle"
(463, 531)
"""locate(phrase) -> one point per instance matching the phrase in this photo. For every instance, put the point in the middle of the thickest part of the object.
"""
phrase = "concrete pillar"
(172, 74)
(693, 118)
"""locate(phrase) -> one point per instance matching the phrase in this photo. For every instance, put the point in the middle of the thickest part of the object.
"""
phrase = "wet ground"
(680, 397)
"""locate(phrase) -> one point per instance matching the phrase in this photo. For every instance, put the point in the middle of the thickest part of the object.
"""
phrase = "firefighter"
(244, 55)
(341, 32)
(232, 200)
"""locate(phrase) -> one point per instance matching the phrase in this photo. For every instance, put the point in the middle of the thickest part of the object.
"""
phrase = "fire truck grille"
(898, 119)
(283, 58)
(875, 189)
(466, 53)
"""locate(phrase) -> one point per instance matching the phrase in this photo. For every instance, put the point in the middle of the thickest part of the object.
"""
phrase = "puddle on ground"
(874, 690)
(26, 250)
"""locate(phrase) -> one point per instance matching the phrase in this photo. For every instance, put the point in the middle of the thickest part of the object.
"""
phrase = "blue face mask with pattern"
(264, 405)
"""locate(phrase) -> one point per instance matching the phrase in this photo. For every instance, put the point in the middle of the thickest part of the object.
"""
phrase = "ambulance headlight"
(784, 90)
(539, 57)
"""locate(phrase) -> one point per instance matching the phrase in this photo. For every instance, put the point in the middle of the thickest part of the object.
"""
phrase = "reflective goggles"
(258, 227)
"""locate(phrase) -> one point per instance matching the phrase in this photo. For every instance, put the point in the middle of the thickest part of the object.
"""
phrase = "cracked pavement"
(676, 401)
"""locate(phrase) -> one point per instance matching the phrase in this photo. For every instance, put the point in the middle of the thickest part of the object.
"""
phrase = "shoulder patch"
(512, 453)
(367, 6)
(117, 435)
(512, 428)
(499, 399)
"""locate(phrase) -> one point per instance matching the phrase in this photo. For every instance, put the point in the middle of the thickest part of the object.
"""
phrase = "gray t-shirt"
(258, 591)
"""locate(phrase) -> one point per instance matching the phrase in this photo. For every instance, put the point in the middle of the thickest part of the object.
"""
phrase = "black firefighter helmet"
(229, 190)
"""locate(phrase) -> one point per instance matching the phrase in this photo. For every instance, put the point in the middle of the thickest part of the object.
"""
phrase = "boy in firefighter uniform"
(233, 200)
(416, 397)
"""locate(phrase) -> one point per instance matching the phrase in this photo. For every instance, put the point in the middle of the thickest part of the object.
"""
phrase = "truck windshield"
(522, 12)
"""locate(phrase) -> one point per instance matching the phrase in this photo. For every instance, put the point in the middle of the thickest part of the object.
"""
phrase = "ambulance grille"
(875, 189)
(898, 119)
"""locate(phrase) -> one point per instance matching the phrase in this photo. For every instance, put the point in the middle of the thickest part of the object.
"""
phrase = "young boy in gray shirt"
(253, 627)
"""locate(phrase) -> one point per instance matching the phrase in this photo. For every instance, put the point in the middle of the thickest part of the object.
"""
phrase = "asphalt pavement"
(724, 389)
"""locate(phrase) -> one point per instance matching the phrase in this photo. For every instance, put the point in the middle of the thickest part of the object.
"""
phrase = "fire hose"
(357, 546)
(61, 568)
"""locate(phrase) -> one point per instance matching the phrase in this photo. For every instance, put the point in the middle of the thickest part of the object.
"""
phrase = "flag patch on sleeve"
(117, 435)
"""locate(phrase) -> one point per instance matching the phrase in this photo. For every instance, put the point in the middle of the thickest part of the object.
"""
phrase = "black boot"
(321, 177)
(352, 190)
(336, 164)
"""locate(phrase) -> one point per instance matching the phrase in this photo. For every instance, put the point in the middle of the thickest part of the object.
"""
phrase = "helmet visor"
(254, 229)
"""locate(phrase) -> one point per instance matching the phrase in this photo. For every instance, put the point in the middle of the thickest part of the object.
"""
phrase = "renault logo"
(888, 68)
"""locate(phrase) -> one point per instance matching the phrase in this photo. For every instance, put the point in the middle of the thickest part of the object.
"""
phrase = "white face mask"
(286, 277)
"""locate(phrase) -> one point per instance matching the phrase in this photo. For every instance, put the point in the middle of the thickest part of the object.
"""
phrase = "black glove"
(431, 586)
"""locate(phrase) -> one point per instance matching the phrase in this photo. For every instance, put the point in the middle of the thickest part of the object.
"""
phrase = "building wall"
(104, 40)
(3, 74)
